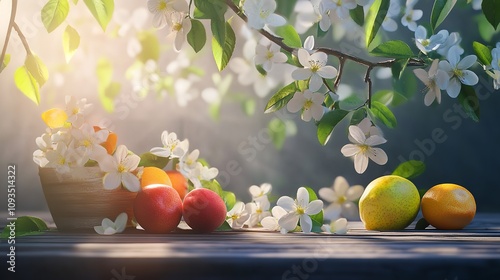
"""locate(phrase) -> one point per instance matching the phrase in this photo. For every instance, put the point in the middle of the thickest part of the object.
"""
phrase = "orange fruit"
(158, 208)
(154, 175)
(448, 206)
(179, 182)
(110, 143)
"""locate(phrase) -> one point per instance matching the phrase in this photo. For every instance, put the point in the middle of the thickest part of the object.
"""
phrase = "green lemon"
(389, 203)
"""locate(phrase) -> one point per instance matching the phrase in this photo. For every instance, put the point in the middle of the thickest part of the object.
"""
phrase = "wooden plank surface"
(472, 253)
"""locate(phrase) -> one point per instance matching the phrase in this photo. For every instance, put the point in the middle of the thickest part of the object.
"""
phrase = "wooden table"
(472, 253)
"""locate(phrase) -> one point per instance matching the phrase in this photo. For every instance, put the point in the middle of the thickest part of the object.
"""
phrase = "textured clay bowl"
(77, 200)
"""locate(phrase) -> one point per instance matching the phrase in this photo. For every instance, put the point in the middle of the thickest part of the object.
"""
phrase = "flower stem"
(9, 29)
(329, 51)
(23, 39)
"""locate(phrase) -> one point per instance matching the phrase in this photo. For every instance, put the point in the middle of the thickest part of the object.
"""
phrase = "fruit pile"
(392, 203)
(189, 190)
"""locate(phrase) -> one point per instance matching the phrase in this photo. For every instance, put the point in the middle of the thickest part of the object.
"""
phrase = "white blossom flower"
(109, 227)
(272, 222)
(435, 80)
(457, 71)
(309, 44)
(389, 24)
(496, 78)
(425, 44)
(60, 158)
(119, 168)
(261, 192)
(315, 69)
(299, 209)
(451, 40)
(362, 149)
(310, 103)
(188, 162)
(476, 4)
(237, 216)
(172, 147)
(495, 54)
(201, 173)
(269, 55)
(341, 198)
(87, 142)
(44, 144)
(410, 18)
(181, 25)
(76, 110)
(336, 227)
(307, 12)
(261, 12)
(367, 128)
(340, 7)
(258, 210)
(163, 9)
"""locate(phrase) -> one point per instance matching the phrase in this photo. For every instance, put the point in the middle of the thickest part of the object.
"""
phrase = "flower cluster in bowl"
(71, 140)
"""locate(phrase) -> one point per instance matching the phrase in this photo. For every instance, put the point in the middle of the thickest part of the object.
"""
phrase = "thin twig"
(9, 29)
(340, 55)
(23, 39)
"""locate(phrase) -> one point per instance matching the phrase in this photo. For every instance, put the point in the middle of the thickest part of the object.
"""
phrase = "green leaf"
(374, 19)
(358, 116)
(384, 114)
(440, 11)
(25, 225)
(102, 10)
(394, 49)
(197, 35)
(317, 219)
(5, 62)
(285, 7)
(281, 98)
(358, 15)
(150, 47)
(229, 199)
(75, 2)
(484, 27)
(71, 41)
(27, 84)
(389, 97)
(249, 107)
(213, 185)
(289, 35)
(422, 224)
(409, 169)
(222, 54)
(406, 85)
(218, 27)
(398, 67)
(37, 68)
(106, 88)
(224, 227)
(482, 52)
(54, 13)
(277, 132)
(351, 102)
(148, 159)
(211, 8)
(469, 101)
(198, 14)
(328, 123)
(491, 10)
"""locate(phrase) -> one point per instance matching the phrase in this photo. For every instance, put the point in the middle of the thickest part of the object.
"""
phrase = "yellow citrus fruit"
(389, 203)
(110, 143)
(54, 118)
(154, 175)
(448, 206)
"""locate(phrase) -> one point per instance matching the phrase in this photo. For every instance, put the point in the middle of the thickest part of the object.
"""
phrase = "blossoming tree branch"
(278, 57)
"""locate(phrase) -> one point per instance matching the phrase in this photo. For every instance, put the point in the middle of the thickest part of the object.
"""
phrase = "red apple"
(203, 210)
(158, 208)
